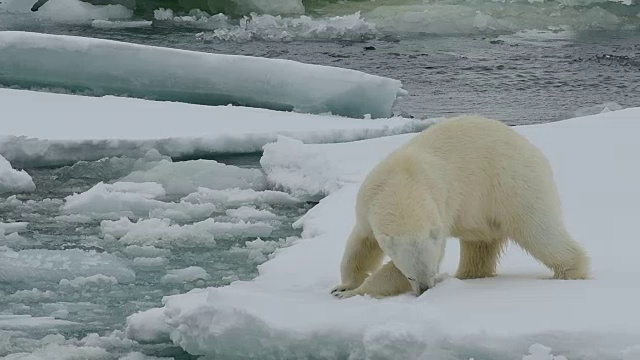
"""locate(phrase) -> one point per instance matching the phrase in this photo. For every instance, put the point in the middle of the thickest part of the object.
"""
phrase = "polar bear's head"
(418, 259)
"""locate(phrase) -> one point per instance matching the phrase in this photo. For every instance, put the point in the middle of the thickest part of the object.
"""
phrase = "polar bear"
(467, 177)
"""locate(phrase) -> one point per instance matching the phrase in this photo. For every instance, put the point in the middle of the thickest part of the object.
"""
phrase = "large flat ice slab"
(47, 129)
(287, 311)
(106, 67)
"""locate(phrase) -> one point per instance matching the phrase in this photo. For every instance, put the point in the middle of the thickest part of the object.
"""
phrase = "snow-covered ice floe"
(287, 311)
(93, 128)
(107, 67)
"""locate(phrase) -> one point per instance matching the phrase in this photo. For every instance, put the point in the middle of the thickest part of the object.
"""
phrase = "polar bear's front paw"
(341, 288)
(345, 294)
(343, 291)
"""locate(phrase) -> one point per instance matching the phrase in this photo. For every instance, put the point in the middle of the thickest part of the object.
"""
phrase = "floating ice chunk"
(105, 200)
(258, 251)
(597, 109)
(141, 356)
(160, 232)
(54, 265)
(239, 197)
(114, 340)
(13, 239)
(31, 296)
(187, 176)
(121, 196)
(149, 262)
(277, 28)
(541, 352)
(189, 274)
(116, 228)
(288, 7)
(276, 84)
(13, 181)
(148, 327)
(62, 352)
(94, 280)
(14, 227)
(105, 24)
(74, 11)
(27, 322)
(251, 213)
(183, 211)
(74, 218)
(144, 251)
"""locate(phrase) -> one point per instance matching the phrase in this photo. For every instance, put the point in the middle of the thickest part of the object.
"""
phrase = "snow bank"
(32, 266)
(174, 129)
(109, 67)
(287, 311)
(12, 181)
(187, 176)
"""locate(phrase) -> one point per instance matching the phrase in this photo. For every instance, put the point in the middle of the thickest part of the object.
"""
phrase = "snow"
(187, 176)
(12, 181)
(31, 266)
(287, 311)
(193, 77)
(199, 130)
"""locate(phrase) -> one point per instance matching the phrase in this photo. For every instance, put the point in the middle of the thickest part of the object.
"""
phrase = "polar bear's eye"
(411, 279)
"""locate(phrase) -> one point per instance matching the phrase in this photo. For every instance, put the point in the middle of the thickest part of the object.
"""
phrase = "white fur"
(470, 178)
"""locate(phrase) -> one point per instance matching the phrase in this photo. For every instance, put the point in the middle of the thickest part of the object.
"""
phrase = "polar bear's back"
(478, 171)
(492, 167)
